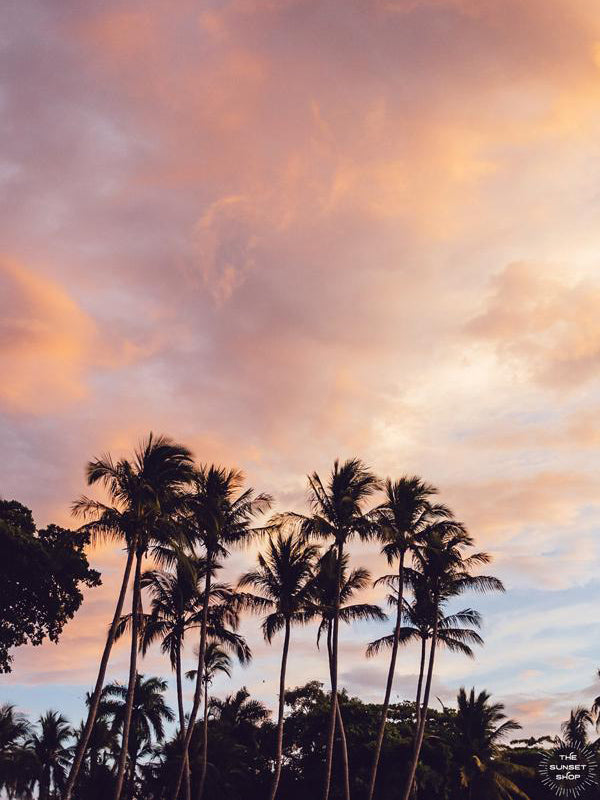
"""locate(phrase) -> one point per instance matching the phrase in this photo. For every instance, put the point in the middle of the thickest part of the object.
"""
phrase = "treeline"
(465, 754)
(184, 519)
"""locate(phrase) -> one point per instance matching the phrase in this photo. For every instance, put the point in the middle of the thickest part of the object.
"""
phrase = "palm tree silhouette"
(219, 517)
(52, 754)
(337, 515)
(148, 716)
(176, 607)
(143, 492)
(283, 577)
(400, 520)
(480, 727)
(216, 660)
(322, 593)
(445, 572)
(17, 761)
(420, 616)
(575, 728)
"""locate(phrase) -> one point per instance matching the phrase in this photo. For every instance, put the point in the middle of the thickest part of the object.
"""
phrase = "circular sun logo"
(569, 771)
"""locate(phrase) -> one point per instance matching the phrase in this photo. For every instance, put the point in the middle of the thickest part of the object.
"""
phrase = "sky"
(285, 231)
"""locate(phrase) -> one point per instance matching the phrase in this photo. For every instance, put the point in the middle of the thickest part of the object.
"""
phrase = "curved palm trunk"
(204, 743)
(340, 726)
(279, 745)
(199, 674)
(95, 700)
(186, 786)
(390, 681)
(135, 625)
(420, 681)
(423, 717)
(334, 671)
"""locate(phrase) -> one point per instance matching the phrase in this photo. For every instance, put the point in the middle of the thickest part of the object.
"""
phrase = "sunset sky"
(285, 231)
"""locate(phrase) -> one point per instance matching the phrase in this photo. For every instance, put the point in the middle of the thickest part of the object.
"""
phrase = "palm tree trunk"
(423, 719)
(187, 784)
(95, 700)
(199, 674)
(204, 742)
(279, 743)
(334, 671)
(340, 725)
(135, 624)
(420, 681)
(390, 681)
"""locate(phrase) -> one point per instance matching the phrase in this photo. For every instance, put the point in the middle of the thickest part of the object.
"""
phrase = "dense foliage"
(42, 575)
(467, 752)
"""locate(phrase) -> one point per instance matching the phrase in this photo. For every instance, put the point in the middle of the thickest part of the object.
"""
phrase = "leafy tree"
(41, 579)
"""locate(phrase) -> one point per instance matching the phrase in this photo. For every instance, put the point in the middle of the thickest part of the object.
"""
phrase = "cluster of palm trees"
(185, 519)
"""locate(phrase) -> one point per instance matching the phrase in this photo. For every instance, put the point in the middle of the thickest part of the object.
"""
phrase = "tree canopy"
(42, 574)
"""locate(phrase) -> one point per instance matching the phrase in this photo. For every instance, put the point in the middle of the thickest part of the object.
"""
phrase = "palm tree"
(52, 754)
(174, 600)
(175, 609)
(216, 659)
(15, 757)
(420, 616)
(239, 712)
(283, 577)
(148, 716)
(323, 592)
(219, 516)
(445, 571)
(401, 520)
(480, 727)
(575, 728)
(142, 492)
(337, 514)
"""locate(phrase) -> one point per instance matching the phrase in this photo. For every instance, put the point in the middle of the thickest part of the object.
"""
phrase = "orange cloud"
(45, 342)
(549, 323)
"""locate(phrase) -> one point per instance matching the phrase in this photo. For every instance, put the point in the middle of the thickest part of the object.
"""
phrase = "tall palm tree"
(147, 718)
(323, 592)
(445, 567)
(480, 726)
(219, 516)
(283, 577)
(216, 660)
(174, 601)
(454, 631)
(142, 492)
(337, 514)
(401, 519)
(176, 607)
(51, 751)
